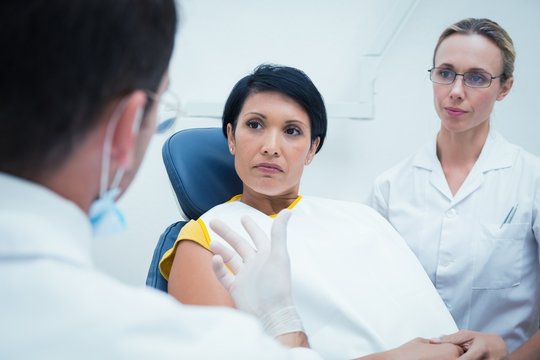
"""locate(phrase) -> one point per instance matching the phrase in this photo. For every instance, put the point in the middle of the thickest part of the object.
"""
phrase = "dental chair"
(202, 175)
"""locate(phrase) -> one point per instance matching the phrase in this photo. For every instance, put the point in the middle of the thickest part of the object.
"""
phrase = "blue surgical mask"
(105, 215)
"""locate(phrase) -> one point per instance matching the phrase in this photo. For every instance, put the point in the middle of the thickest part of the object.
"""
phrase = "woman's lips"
(454, 111)
(269, 168)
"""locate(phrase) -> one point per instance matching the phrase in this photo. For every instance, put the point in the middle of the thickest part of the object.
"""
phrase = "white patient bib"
(356, 284)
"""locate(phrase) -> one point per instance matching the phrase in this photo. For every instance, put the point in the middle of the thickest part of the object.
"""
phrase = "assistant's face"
(271, 144)
(459, 107)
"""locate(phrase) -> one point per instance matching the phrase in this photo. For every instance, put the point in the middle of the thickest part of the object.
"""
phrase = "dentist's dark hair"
(288, 81)
(63, 62)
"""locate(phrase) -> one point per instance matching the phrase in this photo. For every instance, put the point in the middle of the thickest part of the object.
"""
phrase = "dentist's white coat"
(54, 304)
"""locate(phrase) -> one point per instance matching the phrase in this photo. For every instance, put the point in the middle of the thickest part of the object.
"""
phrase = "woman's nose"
(271, 144)
(458, 88)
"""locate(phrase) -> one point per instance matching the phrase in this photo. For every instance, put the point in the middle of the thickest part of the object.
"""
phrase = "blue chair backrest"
(202, 175)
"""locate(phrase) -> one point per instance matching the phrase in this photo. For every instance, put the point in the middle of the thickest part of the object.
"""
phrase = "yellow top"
(195, 230)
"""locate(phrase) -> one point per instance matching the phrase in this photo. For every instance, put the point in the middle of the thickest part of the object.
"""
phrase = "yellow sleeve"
(195, 231)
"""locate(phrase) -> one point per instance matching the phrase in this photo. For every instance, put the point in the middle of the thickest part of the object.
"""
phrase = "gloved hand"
(260, 282)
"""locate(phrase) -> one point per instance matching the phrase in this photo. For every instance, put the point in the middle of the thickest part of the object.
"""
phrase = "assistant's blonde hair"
(492, 31)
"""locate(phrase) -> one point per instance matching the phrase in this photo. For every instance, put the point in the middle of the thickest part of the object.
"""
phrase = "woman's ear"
(230, 139)
(505, 88)
(312, 150)
(127, 130)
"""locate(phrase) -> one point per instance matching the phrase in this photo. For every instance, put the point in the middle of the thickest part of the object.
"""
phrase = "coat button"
(451, 213)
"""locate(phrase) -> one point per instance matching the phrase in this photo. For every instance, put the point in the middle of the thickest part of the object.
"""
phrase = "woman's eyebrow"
(255, 113)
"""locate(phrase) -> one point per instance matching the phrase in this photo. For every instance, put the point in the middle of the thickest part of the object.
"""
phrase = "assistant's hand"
(260, 279)
(478, 345)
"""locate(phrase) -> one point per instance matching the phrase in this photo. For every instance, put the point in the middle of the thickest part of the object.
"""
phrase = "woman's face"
(459, 107)
(271, 144)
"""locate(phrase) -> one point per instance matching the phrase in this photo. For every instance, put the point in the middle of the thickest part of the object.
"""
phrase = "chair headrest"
(201, 169)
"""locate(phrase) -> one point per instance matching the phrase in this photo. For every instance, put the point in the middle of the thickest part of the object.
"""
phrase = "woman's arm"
(419, 348)
(530, 350)
(192, 280)
(478, 345)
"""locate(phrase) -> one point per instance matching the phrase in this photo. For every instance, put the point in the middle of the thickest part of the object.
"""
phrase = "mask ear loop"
(138, 120)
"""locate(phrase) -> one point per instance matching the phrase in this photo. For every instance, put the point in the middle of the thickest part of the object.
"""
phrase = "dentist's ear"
(127, 130)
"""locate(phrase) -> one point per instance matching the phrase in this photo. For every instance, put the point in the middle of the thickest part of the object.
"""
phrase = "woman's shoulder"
(516, 152)
(225, 206)
(345, 212)
(232, 211)
(327, 204)
(423, 157)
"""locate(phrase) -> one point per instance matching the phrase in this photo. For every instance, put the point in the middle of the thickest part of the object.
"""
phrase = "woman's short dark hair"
(286, 80)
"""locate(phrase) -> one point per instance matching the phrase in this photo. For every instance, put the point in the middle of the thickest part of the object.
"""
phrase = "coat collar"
(497, 153)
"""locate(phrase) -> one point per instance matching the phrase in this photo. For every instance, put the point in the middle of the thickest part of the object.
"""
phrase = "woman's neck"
(266, 204)
(458, 152)
(460, 149)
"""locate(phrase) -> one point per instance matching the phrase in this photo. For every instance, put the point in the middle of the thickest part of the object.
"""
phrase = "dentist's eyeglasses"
(473, 79)
(168, 109)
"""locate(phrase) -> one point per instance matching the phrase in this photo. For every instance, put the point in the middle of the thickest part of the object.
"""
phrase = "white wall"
(221, 41)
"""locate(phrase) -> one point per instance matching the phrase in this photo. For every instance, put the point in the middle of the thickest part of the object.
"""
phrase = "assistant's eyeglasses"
(473, 79)
(169, 108)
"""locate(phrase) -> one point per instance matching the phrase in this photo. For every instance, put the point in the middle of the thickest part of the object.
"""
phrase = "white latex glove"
(260, 281)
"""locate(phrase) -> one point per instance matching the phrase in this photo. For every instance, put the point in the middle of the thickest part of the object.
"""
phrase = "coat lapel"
(496, 154)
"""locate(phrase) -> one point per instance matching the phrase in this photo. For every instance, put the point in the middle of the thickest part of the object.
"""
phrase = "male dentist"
(80, 84)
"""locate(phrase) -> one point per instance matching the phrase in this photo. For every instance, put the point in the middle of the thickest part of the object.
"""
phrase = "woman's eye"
(478, 78)
(446, 74)
(293, 131)
(254, 124)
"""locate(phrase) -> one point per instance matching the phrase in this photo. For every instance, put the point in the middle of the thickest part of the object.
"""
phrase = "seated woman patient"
(356, 284)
